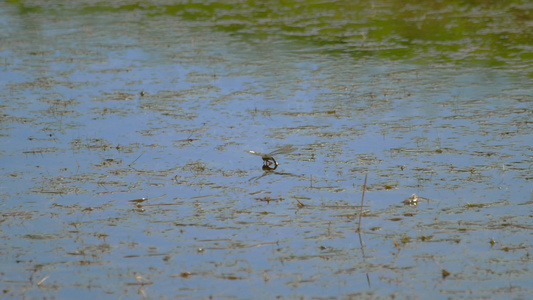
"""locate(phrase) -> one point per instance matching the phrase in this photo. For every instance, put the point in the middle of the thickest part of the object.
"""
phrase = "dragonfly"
(268, 158)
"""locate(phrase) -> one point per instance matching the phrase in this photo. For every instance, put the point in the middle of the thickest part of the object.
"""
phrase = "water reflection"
(272, 171)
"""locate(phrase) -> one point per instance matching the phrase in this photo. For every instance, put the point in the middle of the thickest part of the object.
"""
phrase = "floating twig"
(42, 280)
(396, 244)
(444, 272)
(141, 280)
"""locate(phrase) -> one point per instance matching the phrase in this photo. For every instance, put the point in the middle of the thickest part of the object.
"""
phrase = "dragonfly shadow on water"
(271, 171)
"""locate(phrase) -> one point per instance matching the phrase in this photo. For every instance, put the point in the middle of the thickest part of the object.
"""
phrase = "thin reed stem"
(362, 203)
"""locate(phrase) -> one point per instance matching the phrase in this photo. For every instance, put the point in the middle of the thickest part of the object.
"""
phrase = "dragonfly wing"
(263, 155)
(284, 150)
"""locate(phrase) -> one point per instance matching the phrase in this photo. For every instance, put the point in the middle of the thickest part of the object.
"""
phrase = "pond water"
(125, 129)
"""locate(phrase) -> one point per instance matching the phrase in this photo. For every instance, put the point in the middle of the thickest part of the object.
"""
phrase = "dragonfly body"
(268, 159)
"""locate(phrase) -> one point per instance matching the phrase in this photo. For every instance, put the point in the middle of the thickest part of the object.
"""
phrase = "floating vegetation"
(197, 167)
(122, 149)
(268, 199)
(41, 150)
(91, 144)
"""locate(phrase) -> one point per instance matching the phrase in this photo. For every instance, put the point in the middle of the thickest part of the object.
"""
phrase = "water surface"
(124, 128)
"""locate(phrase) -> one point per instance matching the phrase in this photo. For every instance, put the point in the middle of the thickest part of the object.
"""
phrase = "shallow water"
(124, 129)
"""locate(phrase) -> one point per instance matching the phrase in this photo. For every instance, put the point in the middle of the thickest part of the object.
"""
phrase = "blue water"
(99, 112)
